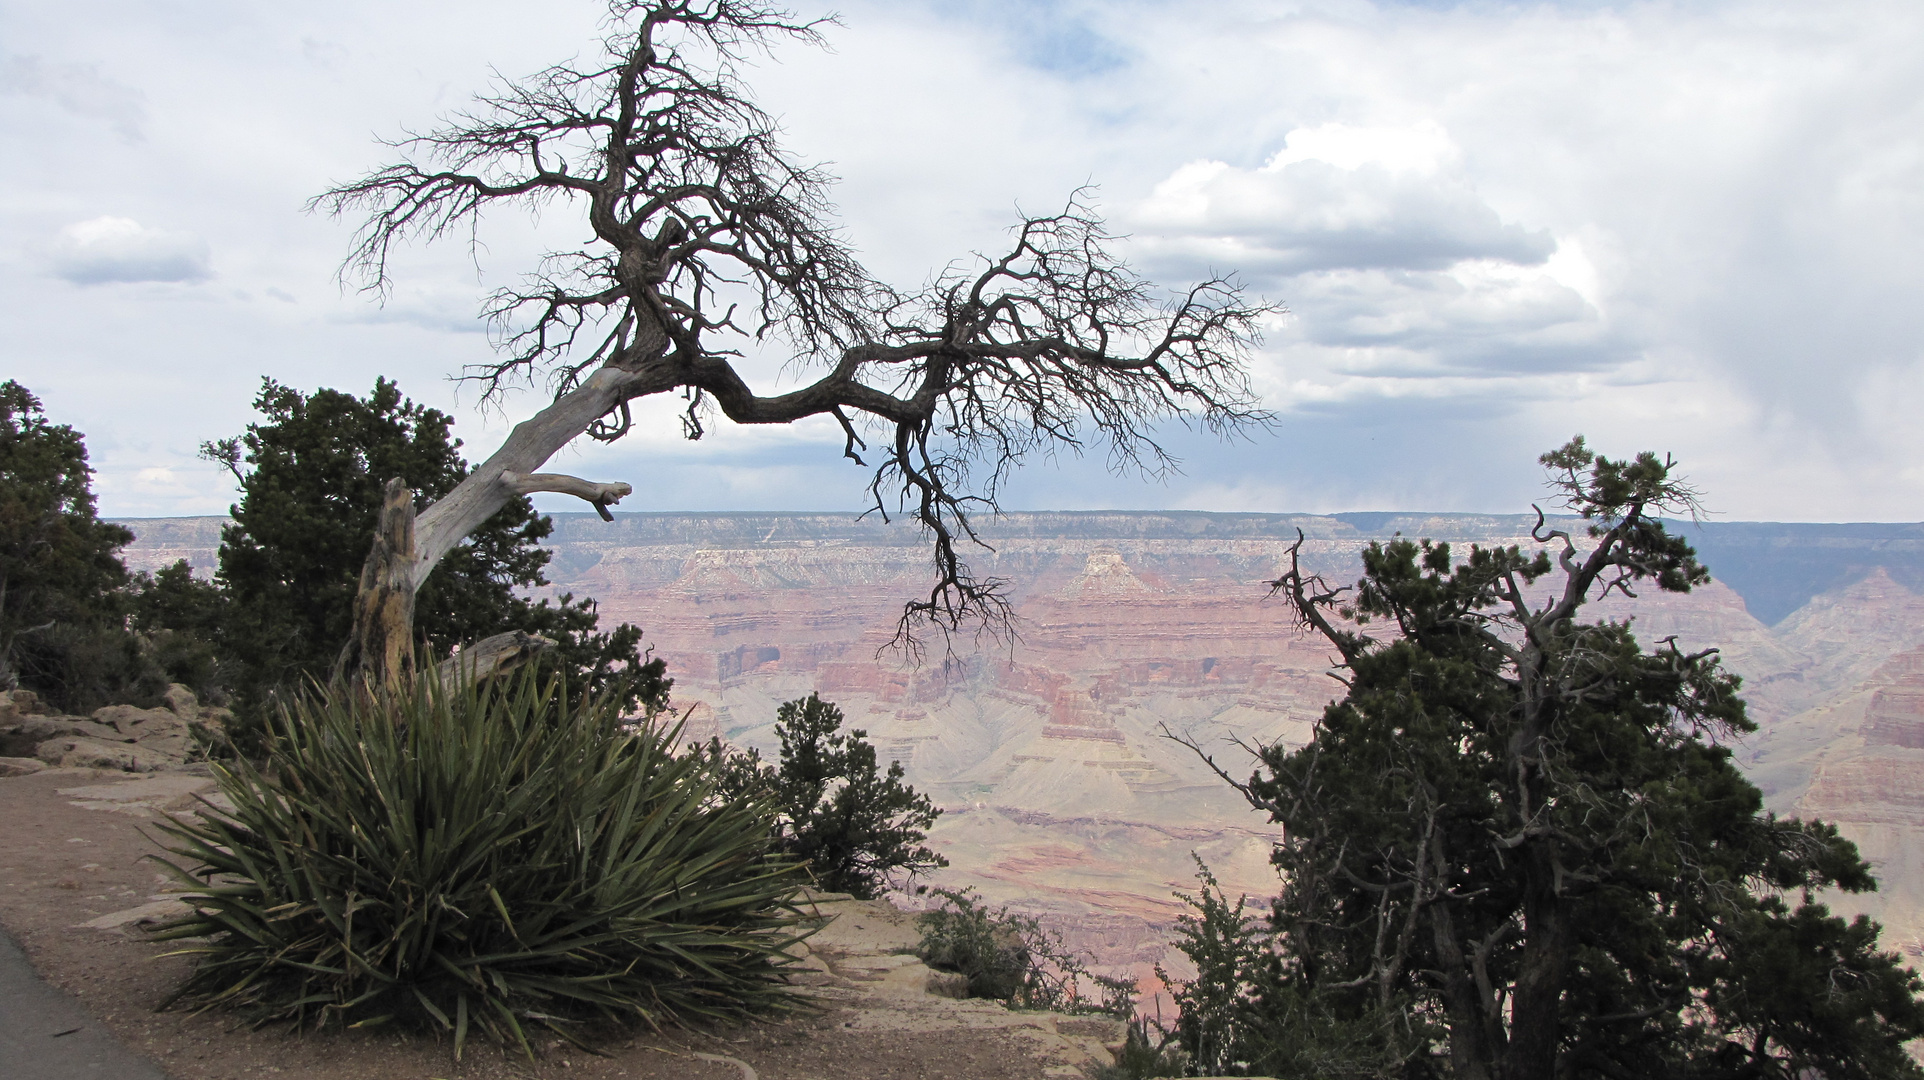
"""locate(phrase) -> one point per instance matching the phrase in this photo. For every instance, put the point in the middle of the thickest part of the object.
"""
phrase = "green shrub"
(855, 825)
(1011, 958)
(483, 857)
(1242, 1015)
(1146, 1053)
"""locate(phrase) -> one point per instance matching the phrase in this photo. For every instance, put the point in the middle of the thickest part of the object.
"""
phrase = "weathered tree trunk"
(509, 471)
(1470, 1048)
(1537, 1005)
(382, 647)
(491, 656)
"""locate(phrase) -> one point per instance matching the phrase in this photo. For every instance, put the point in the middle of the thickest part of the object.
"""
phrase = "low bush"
(858, 827)
(1011, 958)
(1241, 1015)
(488, 858)
(1147, 1052)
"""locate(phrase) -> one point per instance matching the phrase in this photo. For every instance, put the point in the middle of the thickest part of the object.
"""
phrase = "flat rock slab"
(171, 792)
(80, 752)
(160, 909)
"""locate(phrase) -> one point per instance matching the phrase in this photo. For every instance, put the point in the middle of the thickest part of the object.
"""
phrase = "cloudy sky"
(1694, 227)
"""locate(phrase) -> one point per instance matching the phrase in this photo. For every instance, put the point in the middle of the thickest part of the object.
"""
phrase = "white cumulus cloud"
(1335, 197)
(117, 249)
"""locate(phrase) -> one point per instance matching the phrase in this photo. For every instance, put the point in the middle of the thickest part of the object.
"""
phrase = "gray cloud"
(1393, 264)
(78, 88)
(1314, 215)
(116, 249)
(1481, 318)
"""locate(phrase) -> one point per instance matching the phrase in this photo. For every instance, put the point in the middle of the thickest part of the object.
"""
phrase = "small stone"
(948, 984)
(20, 766)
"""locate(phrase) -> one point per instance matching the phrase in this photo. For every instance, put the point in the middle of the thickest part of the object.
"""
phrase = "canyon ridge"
(1061, 795)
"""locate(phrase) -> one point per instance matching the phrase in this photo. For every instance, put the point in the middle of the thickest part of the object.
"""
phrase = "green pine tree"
(1518, 847)
(60, 569)
(856, 825)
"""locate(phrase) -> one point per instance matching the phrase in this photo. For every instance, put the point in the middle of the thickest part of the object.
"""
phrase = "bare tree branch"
(710, 242)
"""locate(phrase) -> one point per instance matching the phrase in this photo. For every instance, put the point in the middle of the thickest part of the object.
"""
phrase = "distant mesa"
(1105, 574)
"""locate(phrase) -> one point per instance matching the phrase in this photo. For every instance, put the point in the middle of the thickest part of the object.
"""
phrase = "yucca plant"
(480, 857)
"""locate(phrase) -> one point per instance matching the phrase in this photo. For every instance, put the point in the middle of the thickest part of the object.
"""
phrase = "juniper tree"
(858, 826)
(1518, 846)
(60, 566)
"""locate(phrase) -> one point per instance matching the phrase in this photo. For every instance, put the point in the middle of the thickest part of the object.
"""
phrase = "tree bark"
(491, 656)
(510, 470)
(1537, 1004)
(1470, 1050)
(382, 646)
(406, 548)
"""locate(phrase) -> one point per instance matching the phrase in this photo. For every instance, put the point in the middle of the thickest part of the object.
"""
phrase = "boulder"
(79, 752)
(18, 703)
(19, 766)
(181, 701)
(19, 738)
(141, 724)
(948, 984)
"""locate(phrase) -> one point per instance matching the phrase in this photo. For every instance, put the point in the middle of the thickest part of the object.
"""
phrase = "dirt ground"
(75, 848)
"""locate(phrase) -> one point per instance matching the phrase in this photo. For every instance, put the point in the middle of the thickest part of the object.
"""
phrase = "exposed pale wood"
(491, 656)
(602, 495)
(527, 448)
(382, 646)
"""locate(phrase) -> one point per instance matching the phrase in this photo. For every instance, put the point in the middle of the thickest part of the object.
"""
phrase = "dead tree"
(709, 240)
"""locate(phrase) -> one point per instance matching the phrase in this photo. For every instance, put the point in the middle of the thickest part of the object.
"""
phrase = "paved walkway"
(46, 1035)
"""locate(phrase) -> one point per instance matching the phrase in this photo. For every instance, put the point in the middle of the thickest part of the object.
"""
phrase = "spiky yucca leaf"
(480, 857)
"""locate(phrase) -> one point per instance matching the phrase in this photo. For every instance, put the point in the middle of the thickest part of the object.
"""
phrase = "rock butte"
(1061, 797)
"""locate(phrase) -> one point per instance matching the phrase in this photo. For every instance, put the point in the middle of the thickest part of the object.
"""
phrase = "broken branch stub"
(491, 656)
(381, 650)
(602, 495)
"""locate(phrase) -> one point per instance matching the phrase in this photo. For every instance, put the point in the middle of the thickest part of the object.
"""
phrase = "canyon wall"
(1061, 794)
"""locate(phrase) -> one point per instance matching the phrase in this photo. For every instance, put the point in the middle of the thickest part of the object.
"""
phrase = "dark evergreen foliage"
(311, 474)
(176, 619)
(59, 564)
(854, 824)
(1010, 958)
(1518, 847)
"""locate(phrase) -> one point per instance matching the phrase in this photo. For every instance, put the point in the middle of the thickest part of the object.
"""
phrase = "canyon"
(1063, 794)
